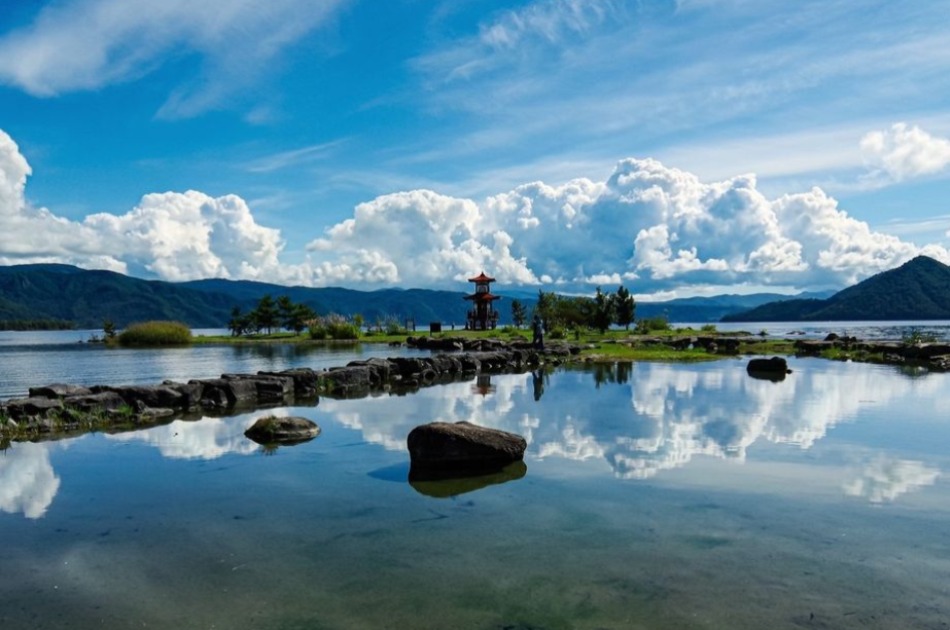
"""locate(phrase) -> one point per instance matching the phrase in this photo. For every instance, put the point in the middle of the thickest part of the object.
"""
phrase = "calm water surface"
(29, 359)
(895, 330)
(656, 496)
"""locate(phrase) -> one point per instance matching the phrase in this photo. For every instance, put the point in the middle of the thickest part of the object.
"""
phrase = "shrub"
(557, 333)
(393, 327)
(708, 328)
(652, 324)
(333, 327)
(156, 333)
(916, 337)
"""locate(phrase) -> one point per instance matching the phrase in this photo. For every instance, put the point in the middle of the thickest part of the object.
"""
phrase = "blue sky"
(678, 147)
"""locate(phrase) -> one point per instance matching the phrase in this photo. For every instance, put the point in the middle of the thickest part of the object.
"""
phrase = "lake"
(654, 496)
(32, 359)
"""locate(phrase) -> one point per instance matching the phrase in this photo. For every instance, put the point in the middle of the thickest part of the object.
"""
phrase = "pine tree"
(625, 307)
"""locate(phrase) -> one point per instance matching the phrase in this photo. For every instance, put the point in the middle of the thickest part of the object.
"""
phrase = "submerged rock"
(462, 447)
(282, 430)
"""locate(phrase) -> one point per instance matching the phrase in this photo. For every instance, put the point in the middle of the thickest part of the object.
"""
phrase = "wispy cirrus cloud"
(83, 45)
(604, 78)
(291, 158)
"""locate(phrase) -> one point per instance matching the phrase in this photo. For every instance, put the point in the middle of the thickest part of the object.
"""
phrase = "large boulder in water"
(773, 369)
(462, 447)
(282, 430)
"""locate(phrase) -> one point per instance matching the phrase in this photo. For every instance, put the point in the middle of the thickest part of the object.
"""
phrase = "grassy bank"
(613, 345)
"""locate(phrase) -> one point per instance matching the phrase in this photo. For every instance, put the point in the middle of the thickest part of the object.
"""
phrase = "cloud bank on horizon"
(648, 226)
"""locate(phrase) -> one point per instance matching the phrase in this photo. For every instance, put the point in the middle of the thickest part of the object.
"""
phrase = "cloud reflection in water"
(27, 480)
(885, 479)
(648, 417)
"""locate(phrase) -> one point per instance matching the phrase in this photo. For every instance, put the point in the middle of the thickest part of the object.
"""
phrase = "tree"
(519, 314)
(238, 323)
(544, 308)
(108, 328)
(285, 310)
(299, 318)
(265, 315)
(603, 311)
(625, 307)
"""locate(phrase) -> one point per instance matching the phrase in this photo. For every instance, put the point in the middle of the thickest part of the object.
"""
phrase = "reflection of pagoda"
(481, 316)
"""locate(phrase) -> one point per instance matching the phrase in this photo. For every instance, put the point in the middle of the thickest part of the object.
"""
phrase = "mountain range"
(917, 290)
(920, 289)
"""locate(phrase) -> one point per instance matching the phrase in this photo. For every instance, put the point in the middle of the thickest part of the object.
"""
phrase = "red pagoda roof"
(481, 278)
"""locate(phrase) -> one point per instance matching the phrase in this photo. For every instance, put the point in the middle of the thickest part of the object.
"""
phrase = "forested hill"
(422, 305)
(87, 298)
(51, 295)
(918, 289)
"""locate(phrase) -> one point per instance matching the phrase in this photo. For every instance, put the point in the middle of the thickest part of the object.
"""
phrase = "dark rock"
(773, 369)
(154, 396)
(831, 337)
(409, 367)
(58, 390)
(379, 370)
(462, 447)
(224, 393)
(282, 430)
(939, 363)
(305, 380)
(270, 388)
(349, 380)
(812, 348)
(98, 402)
(33, 407)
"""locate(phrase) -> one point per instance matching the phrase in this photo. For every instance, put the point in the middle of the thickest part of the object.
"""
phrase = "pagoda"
(482, 316)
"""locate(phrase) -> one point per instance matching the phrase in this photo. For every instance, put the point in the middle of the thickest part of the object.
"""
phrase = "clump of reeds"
(155, 333)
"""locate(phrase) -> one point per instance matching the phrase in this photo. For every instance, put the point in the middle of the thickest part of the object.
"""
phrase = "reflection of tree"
(27, 481)
(623, 372)
(604, 373)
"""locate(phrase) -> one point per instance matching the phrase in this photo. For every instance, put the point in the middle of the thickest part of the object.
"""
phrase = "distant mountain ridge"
(88, 297)
(917, 290)
(713, 308)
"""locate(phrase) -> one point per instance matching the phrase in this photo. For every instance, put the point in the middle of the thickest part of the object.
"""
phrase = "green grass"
(613, 345)
(621, 352)
(155, 333)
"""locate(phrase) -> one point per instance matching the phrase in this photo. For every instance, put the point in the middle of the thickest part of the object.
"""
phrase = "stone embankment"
(56, 409)
(933, 356)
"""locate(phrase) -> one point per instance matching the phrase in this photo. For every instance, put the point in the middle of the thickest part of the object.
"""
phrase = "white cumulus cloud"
(660, 226)
(904, 152)
(657, 227)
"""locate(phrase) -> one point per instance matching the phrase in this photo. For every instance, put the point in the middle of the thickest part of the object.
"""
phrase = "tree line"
(285, 314)
(558, 312)
(270, 314)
